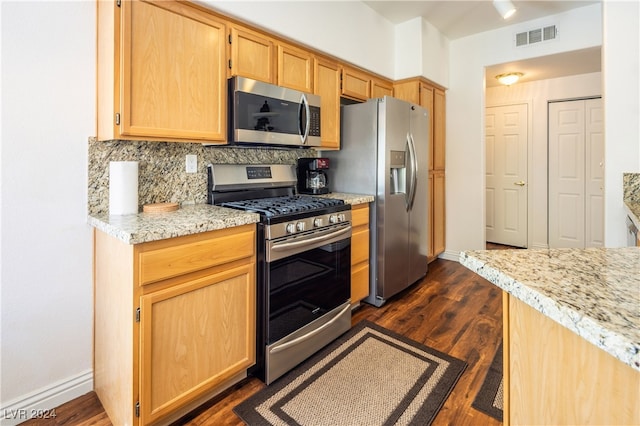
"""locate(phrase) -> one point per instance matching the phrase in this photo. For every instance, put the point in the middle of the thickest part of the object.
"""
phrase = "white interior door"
(576, 151)
(506, 135)
(594, 169)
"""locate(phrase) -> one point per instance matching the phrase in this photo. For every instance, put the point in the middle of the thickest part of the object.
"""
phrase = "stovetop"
(268, 190)
(277, 206)
(278, 210)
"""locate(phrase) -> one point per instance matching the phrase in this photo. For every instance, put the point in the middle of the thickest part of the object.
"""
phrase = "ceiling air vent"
(549, 33)
(536, 36)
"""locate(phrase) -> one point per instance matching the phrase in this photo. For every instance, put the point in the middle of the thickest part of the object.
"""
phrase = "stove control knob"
(291, 228)
(300, 226)
(317, 222)
(333, 219)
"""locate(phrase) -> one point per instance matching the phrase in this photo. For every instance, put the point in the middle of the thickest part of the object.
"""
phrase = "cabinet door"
(252, 55)
(193, 336)
(407, 91)
(439, 135)
(355, 84)
(381, 88)
(326, 79)
(426, 101)
(173, 81)
(430, 251)
(360, 253)
(438, 212)
(295, 68)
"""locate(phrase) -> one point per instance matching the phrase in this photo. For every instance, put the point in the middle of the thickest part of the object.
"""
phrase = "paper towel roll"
(123, 187)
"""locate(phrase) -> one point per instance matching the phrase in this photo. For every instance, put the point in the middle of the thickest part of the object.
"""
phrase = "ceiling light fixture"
(509, 78)
(504, 7)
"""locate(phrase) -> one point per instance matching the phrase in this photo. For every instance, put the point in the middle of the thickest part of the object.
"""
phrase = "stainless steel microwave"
(265, 114)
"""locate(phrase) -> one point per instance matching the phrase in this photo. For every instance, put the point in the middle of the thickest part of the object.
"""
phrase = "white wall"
(538, 93)
(48, 112)
(348, 30)
(621, 55)
(465, 155)
(421, 50)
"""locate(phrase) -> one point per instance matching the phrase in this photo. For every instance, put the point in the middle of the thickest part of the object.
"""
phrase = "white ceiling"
(457, 18)
(552, 66)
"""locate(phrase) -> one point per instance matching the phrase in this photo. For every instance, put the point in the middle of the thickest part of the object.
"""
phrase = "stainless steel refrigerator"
(384, 152)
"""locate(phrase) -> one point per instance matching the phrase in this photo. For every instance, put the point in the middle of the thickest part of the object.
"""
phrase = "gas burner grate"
(277, 206)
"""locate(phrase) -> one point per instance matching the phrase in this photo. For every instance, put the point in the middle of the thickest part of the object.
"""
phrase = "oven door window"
(306, 285)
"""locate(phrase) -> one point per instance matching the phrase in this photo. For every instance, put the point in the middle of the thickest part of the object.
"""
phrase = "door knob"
(521, 183)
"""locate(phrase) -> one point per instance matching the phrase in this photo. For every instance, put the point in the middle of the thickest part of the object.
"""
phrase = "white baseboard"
(450, 255)
(42, 402)
(539, 246)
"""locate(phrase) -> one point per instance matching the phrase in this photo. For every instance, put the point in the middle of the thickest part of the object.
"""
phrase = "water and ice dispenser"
(397, 173)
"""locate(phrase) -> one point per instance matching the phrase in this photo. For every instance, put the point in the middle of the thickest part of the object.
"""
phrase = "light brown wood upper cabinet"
(360, 85)
(408, 90)
(439, 129)
(295, 68)
(326, 77)
(161, 72)
(355, 84)
(251, 54)
(425, 95)
(380, 88)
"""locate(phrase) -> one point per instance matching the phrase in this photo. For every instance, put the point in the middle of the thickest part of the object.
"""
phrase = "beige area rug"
(490, 397)
(368, 376)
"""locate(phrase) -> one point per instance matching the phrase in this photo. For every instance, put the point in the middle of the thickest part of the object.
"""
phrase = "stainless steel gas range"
(303, 262)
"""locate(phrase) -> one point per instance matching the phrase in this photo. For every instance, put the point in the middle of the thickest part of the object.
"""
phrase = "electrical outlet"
(192, 163)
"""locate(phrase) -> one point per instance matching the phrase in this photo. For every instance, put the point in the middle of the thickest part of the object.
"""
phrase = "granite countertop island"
(188, 219)
(593, 292)
(631, 196)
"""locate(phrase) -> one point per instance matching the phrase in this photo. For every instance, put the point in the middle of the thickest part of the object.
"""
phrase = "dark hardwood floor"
(452, 310)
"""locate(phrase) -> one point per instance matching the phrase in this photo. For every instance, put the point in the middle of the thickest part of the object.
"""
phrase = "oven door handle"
(295, 244)
(310, 334)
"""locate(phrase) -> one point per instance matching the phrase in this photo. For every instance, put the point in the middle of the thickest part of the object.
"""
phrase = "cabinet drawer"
(360, 215)
(170, 258)
(359, 282)
(360, 246)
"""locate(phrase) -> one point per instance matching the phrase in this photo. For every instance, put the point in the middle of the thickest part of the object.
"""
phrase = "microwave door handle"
(304, 132)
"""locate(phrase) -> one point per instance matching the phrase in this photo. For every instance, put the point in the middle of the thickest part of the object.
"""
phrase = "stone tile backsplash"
(161, 168)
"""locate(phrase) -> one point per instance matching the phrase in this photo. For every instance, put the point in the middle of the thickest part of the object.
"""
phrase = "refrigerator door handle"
(414, 171)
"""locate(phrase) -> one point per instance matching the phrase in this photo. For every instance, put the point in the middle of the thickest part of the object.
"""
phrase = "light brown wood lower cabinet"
(359, 252)
(555, 377)
(165, 345)
(438, 206)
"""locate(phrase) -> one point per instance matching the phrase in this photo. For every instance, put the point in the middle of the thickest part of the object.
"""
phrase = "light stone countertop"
(633, 210)
(190, 219)
(594, 292)
(187, 220)
(353, 199)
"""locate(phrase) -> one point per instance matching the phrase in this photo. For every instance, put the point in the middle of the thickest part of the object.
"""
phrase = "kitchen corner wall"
(161, 168)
